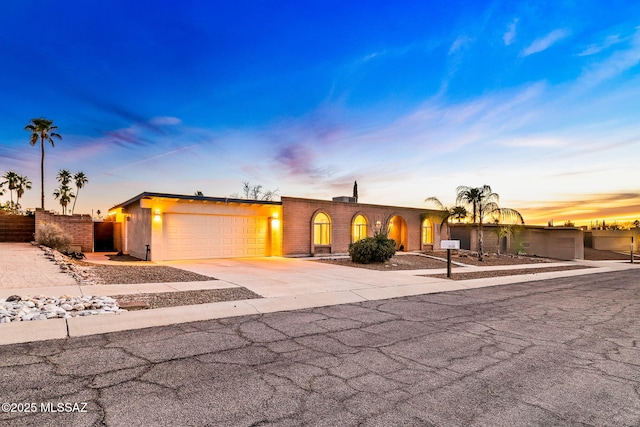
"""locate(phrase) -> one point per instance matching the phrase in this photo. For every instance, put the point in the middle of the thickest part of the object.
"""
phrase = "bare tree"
(255, 192)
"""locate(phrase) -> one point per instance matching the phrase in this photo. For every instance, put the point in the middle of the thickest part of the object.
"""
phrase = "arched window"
(322, 229)
(427, 232)
(359, 228)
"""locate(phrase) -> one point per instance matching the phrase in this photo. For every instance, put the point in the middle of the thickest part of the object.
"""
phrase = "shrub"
(51, 235)
(372, 249)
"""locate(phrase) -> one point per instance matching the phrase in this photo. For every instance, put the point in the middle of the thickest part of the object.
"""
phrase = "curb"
(24, 332)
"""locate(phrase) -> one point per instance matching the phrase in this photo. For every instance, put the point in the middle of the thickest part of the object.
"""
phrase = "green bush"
(372, 249)
(51, 235)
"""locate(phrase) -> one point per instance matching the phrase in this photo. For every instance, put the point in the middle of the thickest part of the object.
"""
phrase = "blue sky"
(411, 99)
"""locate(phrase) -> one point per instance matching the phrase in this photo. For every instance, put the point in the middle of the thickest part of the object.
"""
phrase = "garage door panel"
(210, 236)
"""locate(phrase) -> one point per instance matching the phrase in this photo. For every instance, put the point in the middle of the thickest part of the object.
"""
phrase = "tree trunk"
(73, 208)
(42, 173)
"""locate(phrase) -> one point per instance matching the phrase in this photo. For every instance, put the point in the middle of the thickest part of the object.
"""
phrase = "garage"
(189, 236)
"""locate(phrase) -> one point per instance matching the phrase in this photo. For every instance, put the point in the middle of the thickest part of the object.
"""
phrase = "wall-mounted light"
(157, 215)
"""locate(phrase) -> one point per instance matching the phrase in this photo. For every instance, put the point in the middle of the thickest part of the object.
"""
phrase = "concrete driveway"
(24, 266)
(277, 277)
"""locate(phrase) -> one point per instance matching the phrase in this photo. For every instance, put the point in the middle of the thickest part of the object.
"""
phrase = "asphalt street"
(563, 351)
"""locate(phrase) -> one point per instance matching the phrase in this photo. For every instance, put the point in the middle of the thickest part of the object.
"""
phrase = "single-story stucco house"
(159, 226)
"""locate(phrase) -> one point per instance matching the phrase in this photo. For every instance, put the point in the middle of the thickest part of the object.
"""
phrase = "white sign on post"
(450, 244)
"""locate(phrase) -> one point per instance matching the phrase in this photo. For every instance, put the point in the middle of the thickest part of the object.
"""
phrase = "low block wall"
(78, 227)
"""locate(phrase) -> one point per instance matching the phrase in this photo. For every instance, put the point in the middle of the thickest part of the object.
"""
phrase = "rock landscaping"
(23, 308)
(15, 308)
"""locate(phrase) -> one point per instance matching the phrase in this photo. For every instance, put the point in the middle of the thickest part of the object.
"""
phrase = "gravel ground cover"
(175, 299)
(133, 274)
(495, 259)
(458, 275)
(419, 262)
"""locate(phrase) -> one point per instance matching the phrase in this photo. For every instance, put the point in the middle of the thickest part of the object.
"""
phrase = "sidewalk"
(286, 284)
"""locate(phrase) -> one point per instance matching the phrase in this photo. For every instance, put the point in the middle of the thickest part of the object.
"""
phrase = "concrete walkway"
(285, 283)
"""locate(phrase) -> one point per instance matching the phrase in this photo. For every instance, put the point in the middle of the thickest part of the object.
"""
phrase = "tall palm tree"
(80, 179)
(42, 129)
(23, 185)
(469, 196)
(485, 202)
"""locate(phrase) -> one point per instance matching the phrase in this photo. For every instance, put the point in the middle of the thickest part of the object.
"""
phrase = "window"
(359, 228)
(427, 232)
(322, 229)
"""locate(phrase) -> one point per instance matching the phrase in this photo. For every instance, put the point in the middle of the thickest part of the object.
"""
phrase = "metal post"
(631, 249)
(448, 263)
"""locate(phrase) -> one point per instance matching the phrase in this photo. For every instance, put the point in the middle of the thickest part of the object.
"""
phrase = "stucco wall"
(78, 227)
(615, 240)
(143, 221)
(137, 230)
(553, 242)
(297, 215)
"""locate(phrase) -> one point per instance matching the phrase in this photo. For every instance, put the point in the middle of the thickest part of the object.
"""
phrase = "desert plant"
(53, 236)
(372, 249)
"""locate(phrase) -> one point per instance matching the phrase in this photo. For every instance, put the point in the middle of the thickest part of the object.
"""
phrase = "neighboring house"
(158, 226)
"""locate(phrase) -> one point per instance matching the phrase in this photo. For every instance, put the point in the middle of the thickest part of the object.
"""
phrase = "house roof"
(151, 195)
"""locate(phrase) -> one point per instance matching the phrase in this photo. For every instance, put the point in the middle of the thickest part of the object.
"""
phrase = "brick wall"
(78, 227)
(16, 228)
(297, 216)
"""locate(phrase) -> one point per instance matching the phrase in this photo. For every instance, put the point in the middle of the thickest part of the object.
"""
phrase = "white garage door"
(214, 236)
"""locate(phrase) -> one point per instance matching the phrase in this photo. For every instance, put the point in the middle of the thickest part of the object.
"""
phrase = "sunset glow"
(538, 100)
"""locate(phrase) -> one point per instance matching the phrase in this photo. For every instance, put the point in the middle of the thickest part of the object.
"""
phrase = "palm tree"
(469, 196)
(23, 184)
(457, 212)
(80, 179)
(485, 202)
(11, 179)
(64, 177)
(43, 130)
(65, 195)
